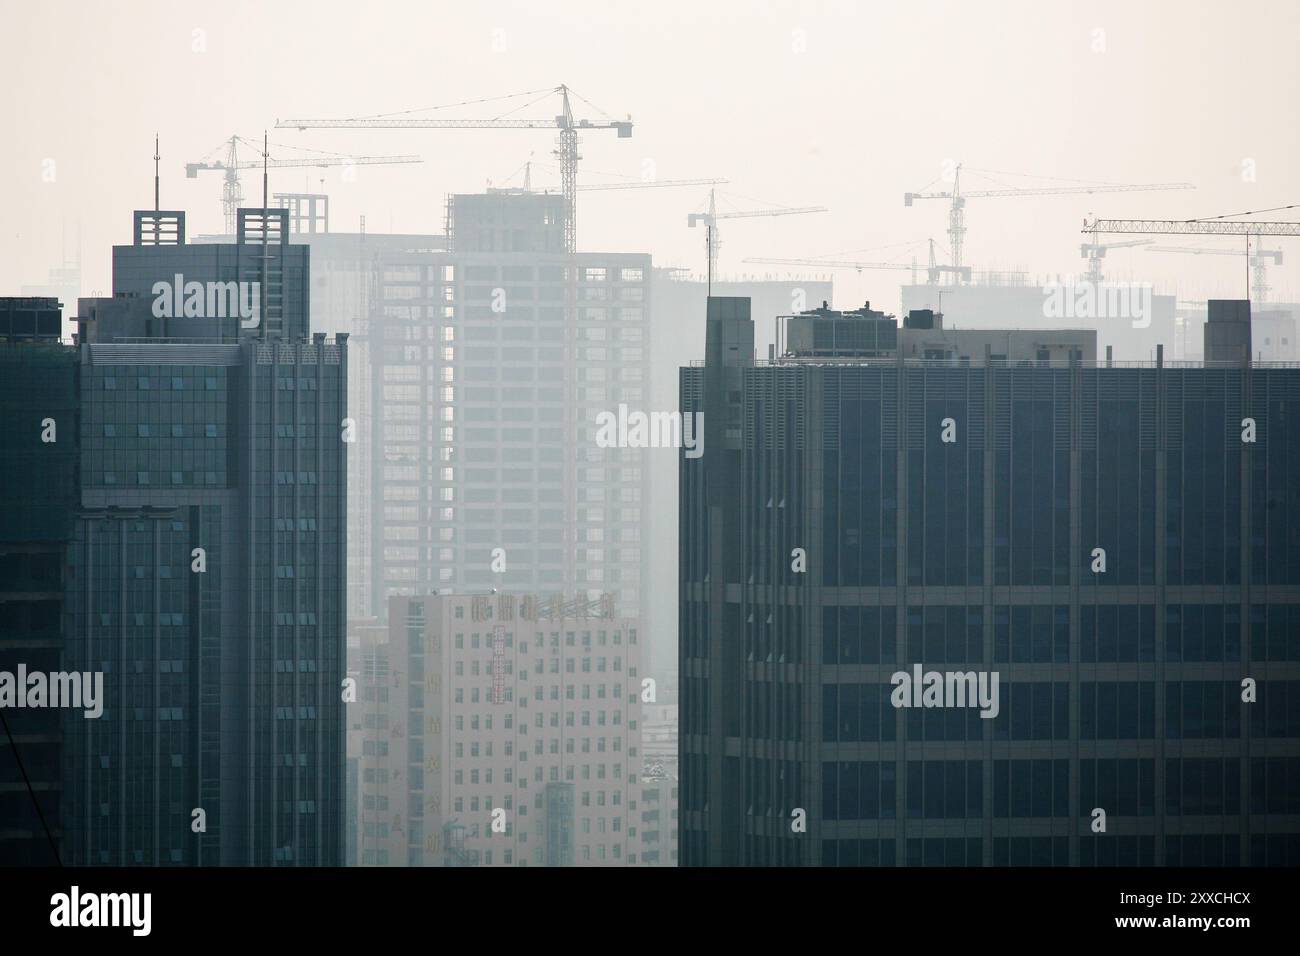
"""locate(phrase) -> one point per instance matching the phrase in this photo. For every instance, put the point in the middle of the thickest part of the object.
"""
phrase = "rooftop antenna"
(156, 158)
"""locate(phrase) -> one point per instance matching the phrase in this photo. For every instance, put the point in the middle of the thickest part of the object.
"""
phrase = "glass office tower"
(1101, 537)
(207, 575)
(38, 483)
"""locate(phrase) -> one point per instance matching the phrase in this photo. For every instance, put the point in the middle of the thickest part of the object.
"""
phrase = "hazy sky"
(842, 104)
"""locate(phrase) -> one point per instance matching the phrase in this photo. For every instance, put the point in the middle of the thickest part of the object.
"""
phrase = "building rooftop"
(867, 337)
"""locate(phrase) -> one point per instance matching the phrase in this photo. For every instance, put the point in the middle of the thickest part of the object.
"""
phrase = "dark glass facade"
(223, 685)
(38, 480)
(207, 573)
(1120, 690)
(261, 254)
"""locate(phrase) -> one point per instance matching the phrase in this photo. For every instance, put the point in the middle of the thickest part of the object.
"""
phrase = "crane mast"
(232, 194)
(568, 156)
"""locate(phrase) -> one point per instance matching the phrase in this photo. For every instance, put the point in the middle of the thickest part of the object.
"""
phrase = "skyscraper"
(488, 374)
(206, 579)
(1119, 545)
(38, 481)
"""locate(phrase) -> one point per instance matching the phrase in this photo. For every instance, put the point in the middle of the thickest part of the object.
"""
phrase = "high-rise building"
(489, 373)
(1120, 546)
(206, 578)
(499, 730)
(38, 483)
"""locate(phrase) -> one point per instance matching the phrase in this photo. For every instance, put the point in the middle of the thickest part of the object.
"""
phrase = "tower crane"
(711, 217)
(1229, 224)
(1260, 260)
(1191, 227)
(957, 200)
(564, 121)
(232, 194)
(1094, 252)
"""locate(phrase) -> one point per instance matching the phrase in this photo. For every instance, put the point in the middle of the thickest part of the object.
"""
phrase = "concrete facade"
(478, 708)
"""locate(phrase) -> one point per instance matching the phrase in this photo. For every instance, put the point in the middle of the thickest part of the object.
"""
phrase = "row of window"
(175, 383)
(1040, 788)
(1040, 634)
(1108, 710)
(508, 694)
(176, 478)
(174, 430)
